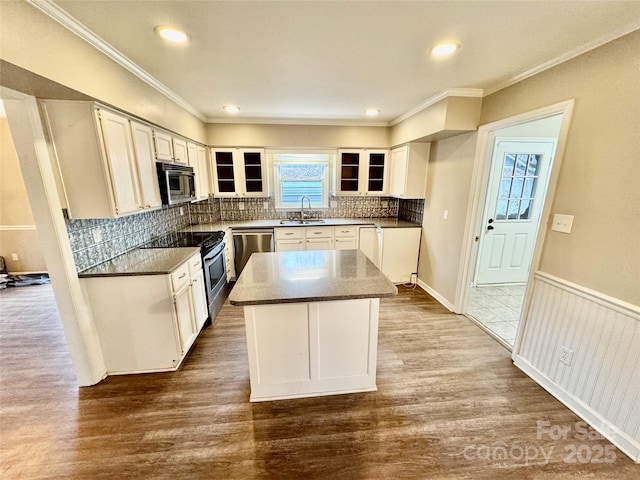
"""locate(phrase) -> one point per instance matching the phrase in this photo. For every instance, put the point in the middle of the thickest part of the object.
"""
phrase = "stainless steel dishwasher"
(251, 240)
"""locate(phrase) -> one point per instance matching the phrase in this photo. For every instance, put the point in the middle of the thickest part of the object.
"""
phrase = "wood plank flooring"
(449, 405)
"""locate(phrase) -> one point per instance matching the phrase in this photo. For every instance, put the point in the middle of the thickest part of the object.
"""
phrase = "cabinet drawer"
(288, 233)
(346, 231)
(319, 232)
(195, 264)
(180, 277)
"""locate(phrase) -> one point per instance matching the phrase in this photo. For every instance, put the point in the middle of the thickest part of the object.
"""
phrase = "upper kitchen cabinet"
(163, 143)
(362, 172)
(104, 163)
(239, 172)
(409, 170)
(180, 154)
(197, 155)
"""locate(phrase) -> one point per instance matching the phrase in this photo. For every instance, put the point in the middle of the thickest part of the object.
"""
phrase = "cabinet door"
(376, 172)
(116, 134)
(147, 173)
(180, 154)
(199, 300)
(319, 244)
(293, 245)
(202, 185)
(348, 172)
(369, 244)
(400, 247)
(349, 243)
(224, 177)
(184, 317)
(253, 169)
(163, 146)
(399, 161)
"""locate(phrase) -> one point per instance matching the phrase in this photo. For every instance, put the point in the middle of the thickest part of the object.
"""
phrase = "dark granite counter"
(142, 261)
(309, 276)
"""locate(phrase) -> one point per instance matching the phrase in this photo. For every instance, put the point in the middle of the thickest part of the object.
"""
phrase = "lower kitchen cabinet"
(316, 238)
(393, 250)
(148, 323)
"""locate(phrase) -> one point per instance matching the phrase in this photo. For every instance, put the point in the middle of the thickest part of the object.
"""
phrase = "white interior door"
(515, 197)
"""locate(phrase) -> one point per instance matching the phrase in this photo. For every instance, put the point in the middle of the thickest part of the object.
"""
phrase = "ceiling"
(328, 61)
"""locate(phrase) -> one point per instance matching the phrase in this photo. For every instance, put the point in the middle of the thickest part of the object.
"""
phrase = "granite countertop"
(328, 222)
(309, 276)
(142, 261)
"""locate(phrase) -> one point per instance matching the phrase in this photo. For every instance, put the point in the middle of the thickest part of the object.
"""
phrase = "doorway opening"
(510, 211)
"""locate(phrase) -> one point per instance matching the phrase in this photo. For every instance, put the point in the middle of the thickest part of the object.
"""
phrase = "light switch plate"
(97, 235)
(265, 205)
(445, 215)
(241, 206)
(562, 223)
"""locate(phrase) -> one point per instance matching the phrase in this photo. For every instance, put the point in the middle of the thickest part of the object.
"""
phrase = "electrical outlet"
(445, 215)
(414, 278)
(566, 356)
(562, 223)
(265, 205)
(241, 206)
(333, 204)
(181, 211)
(385, 204)
(14, 257)
(97, 235)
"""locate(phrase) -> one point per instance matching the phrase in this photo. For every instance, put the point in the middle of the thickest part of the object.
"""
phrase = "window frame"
(326, 181)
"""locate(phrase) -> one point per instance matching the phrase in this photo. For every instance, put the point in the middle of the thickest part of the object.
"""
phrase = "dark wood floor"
(449, 404)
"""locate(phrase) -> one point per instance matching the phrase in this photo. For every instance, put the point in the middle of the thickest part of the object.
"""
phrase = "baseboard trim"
(445, 303)
(627, 444)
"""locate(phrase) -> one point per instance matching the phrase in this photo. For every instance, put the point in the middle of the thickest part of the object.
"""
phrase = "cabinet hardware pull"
(290, 233)
(182, 276)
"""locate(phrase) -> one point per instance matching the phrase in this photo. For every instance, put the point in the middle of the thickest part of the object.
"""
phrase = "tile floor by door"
(497, 308)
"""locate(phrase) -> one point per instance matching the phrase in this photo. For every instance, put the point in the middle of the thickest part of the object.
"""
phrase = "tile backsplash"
(94, 241)
(411, 210)
(347, 207)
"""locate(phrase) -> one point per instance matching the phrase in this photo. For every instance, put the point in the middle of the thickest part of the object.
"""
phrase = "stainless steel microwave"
(177, 183)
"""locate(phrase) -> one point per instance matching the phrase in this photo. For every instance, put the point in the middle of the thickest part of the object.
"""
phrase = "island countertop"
(309, 276)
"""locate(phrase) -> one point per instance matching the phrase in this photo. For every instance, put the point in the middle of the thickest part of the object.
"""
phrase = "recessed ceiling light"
(372, 112)
(445, 48)
(231, 108)
(172, 34)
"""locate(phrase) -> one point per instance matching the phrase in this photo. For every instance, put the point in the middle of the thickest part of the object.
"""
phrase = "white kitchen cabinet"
(393, 250)
(409, 165)
(289, 239)
(153, 323)
(198, 161)
(229, 255)
(180, 154)
(345, 237)
(318, 238)
(239, 172)
(163, 143)
(362, 172)
(197, 288)
(145, 160)
(94, 148)
(294, 245)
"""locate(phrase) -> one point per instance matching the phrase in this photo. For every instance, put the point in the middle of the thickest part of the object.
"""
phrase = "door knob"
(490, 227)
(491, 220)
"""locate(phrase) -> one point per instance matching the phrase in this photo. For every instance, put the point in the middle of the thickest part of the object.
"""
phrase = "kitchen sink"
(302, 222)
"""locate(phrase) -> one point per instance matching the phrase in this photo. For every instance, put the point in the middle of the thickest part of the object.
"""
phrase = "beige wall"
(600, 177)
(33, 41)
(17, 229)
(269, 135)
(448, 185)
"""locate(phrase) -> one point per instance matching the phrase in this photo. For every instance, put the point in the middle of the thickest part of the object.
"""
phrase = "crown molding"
(452, 92)
(565, 57)
(63, 18)
(296, 121)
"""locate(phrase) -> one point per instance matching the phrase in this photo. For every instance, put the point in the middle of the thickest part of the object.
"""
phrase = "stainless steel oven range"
(212, 250)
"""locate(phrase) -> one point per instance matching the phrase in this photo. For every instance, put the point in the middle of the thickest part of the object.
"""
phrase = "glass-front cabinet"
(361, 172)
(239, 172)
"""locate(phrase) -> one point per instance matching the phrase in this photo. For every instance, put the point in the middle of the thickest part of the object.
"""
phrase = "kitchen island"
(311, 320)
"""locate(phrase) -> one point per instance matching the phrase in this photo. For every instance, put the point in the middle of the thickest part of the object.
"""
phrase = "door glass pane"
(505, 188)
(532, 168)
(516, 188)
(525, 209)
(521, 165)
(529, 188)
(507, 169)
(501, 210)
(514, 210)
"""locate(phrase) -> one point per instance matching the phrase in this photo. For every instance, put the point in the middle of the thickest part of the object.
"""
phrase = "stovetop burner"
(205, 240)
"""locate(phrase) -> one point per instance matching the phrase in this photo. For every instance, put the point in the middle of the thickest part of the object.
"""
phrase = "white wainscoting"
(602, 383)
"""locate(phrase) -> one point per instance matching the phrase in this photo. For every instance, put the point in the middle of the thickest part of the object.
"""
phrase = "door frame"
(481, 211)
(478, 194)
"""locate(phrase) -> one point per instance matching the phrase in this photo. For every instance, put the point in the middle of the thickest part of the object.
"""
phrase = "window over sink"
(299, 173)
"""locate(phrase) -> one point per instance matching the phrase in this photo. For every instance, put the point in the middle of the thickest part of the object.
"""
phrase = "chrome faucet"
(302, 206)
